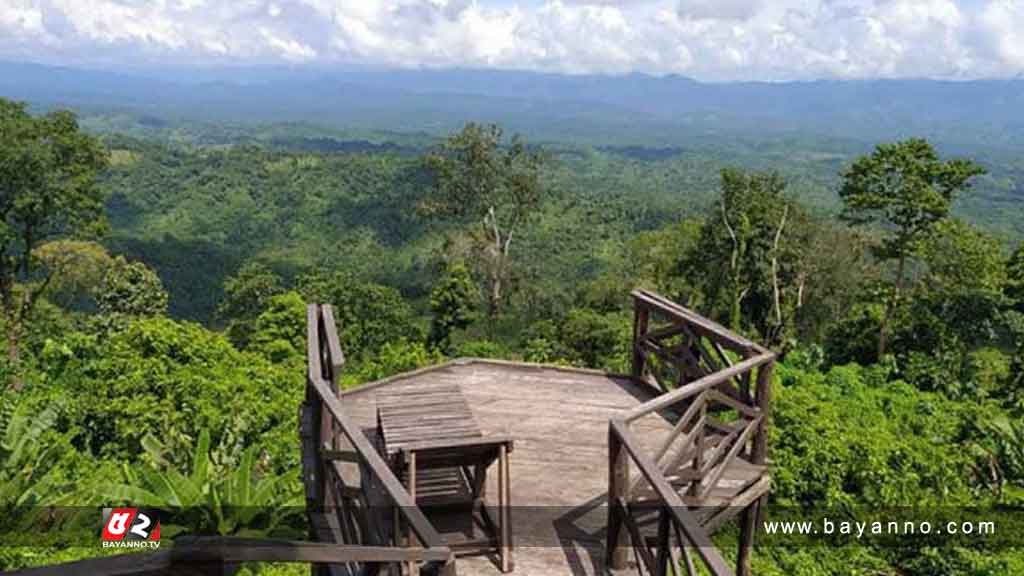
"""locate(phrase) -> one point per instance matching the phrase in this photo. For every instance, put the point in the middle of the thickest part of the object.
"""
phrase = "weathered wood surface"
(559, 422)
(432, 413)
(716, 468)
(430, 428)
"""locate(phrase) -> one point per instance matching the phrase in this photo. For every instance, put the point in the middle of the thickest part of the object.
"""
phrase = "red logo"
(130, 528)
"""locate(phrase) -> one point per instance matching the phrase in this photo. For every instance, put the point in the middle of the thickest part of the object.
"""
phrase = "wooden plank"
(488, 441)
(428, 427)
(392, 441)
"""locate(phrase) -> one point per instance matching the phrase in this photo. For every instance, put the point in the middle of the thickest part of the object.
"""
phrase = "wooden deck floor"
(559, 470)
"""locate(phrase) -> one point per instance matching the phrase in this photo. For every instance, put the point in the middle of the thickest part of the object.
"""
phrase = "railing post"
(748, 527)
(618, 486)
(750, 516)
(641, 318)
(698, 444)
(764, 400)
(664, 546)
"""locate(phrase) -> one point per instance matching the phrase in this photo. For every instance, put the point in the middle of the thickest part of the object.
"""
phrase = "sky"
(713, 40)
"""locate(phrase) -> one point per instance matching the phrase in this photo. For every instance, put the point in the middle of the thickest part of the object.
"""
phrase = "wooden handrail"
(681, 356)
(328, 421)
(337, 357)
(369, 456)
(697, 386)
(673, 502)
(214, 550)
(726, 336)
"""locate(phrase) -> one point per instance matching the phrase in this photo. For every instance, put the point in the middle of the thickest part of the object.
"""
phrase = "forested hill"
(633, 109)
(888, 275)
(295, 197)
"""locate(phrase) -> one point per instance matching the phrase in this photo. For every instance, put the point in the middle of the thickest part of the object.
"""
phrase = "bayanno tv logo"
(130, 528)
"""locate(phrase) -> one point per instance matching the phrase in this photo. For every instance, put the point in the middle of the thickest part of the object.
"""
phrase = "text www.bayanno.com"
(855, 529)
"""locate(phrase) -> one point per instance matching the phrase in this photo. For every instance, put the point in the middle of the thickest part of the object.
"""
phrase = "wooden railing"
(352, 496)
(218, 556)
(714, 385)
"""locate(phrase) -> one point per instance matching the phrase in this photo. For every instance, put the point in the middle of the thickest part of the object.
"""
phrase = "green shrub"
(171, 379)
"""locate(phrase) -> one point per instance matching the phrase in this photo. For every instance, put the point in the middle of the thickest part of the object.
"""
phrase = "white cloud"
(718, 9)
(289, 49)
(707, 39)
(1003, 22)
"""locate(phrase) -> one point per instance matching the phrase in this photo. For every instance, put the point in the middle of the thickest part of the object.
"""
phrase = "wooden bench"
(435, 445)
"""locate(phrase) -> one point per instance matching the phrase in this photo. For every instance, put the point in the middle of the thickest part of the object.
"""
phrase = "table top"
(426, 413)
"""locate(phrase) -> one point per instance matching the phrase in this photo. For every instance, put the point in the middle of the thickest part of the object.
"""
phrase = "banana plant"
(1009, 439)
(26, 460)
(242, 501)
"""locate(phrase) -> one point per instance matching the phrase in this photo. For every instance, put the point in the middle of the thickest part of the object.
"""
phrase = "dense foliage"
(163, 363)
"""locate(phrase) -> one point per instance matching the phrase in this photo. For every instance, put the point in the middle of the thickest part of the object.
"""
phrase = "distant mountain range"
(603, 110)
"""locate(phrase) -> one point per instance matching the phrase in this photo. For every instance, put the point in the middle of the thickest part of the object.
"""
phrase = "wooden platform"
(558, 419)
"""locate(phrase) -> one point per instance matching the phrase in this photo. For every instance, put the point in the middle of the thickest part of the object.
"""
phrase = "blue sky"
(704, 39)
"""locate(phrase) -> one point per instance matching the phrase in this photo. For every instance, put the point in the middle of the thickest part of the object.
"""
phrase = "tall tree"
(48, 189)
(368, 315)
(452, 304)
(749, 253)
(131, 289)
(1015, 278)
(908, 189)
(246, 296)
(480, 178)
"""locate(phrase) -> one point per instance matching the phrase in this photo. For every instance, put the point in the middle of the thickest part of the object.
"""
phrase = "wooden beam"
(618, 490)
(335, 355)
(683, 517)
(212, 551)
(420, 525)
(727, 337)
(696, 387)
(716, 475)
(640, 320)
(763, 397)
(314, 362)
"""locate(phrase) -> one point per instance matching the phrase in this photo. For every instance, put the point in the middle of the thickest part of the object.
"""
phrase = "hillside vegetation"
(159, 334)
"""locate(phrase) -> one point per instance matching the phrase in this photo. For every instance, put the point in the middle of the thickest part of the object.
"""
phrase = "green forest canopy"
(194, 300)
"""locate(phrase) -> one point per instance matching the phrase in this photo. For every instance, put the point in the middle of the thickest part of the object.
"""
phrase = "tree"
(596, 340)
(246, 295)
(368, 315)
(654, 260)
(479, 179)
(955, 306)
(279, 333)
(750, 253)
(48, 189)
(77, 267)
(906, 188)
(131, 289)
(1015, 278)
(452, 304)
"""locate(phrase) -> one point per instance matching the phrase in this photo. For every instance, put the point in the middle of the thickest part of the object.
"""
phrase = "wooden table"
(430, 429)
